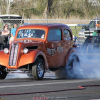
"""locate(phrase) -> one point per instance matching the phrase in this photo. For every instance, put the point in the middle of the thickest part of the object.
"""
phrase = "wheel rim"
(40, 69)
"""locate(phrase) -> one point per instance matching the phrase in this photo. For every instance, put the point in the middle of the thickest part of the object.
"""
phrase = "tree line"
(61, 9)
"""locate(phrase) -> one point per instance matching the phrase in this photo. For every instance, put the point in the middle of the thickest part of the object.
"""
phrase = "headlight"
(6, 51)
(25, 50)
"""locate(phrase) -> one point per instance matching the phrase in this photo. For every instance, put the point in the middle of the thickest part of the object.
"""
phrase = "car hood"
(27, 42)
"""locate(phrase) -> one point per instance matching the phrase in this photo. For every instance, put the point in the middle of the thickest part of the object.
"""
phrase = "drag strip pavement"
(24, 88)
(29, 84)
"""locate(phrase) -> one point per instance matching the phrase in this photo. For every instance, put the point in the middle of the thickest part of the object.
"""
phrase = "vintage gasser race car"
(38, 48)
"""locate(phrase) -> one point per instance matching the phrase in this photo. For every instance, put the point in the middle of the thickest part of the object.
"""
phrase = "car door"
(68, 41)
(55, 48)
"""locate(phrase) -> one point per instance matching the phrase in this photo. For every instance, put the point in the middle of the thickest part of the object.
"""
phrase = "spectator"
(5, 30)
(5, 33)
(13, 32)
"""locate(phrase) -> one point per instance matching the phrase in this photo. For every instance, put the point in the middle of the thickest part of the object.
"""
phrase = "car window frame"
(69, 34)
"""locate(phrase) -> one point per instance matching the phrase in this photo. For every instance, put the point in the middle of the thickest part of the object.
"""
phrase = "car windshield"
(31, 33)
(92, 24)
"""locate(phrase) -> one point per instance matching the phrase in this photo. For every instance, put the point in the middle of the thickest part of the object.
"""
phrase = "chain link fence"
(80, 28)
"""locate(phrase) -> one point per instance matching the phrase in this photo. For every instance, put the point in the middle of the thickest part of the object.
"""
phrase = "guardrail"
(77, 24)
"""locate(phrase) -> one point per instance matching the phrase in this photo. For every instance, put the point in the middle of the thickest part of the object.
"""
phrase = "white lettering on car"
(59, 49)
(27, 41)
(51, 51)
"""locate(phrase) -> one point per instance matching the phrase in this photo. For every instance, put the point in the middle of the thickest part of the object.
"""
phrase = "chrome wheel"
(40, 69)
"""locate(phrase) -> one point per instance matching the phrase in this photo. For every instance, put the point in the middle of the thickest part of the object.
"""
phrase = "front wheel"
(3, 72)
(38, 69)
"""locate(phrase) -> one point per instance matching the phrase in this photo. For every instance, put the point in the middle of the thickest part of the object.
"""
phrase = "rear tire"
(38, 69)
(72, 66)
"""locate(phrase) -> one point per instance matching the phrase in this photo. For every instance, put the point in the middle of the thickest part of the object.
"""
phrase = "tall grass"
(75, 30)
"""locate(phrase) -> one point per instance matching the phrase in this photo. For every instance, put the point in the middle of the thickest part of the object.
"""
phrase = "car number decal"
(53, 51)
(59, 49)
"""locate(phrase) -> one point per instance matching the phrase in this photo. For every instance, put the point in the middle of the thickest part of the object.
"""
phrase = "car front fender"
(3, 58)
(31, 57)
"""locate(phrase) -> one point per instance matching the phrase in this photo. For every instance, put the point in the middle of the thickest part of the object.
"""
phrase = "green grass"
(1, 25)
(75, 30)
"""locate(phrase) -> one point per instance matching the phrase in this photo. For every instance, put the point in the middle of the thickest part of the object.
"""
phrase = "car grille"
(13, 54)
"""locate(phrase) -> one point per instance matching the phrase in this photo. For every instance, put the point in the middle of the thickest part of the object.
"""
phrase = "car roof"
(47, 24)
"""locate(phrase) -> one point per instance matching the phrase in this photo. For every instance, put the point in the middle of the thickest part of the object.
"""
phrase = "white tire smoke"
(72, 68)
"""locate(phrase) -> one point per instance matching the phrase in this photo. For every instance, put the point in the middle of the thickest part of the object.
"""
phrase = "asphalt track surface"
(20, 87)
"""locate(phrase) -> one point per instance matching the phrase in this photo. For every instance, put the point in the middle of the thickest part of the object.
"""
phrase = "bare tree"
(8, 7)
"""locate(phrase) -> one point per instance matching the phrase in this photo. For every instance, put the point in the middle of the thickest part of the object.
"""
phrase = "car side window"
(54, 35)
(67, 35)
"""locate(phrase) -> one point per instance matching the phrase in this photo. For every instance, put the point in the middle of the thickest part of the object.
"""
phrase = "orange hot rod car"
(38, 48)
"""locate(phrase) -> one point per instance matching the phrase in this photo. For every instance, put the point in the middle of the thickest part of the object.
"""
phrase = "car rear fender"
(31, 58)
(71, 50)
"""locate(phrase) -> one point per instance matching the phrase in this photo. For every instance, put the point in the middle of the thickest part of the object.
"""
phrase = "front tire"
(38, 69)
(3, 72)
